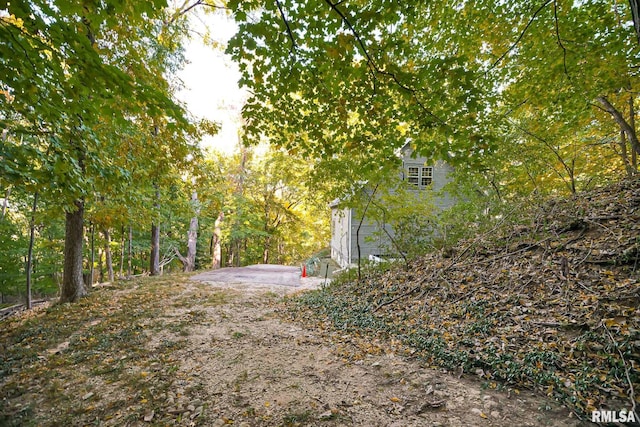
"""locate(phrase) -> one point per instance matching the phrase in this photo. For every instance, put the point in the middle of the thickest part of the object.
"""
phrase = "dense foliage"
(523, 96)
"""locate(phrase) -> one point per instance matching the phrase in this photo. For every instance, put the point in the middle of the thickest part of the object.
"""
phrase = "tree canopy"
(519, 97)
(461, 81)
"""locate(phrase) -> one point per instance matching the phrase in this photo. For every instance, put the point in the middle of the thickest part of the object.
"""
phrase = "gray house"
(374, 241)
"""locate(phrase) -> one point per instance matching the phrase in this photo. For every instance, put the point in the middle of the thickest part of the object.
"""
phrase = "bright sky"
(211, 80)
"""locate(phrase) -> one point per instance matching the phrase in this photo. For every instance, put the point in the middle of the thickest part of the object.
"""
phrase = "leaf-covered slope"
(551, 305)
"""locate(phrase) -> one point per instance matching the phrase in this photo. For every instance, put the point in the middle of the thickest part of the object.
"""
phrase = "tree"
(458, 80)
(189, 261)
(63, 79)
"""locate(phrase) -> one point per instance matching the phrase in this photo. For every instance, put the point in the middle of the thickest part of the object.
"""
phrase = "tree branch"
(374, 67)
(513, 46)
(364, 213)
(186, 7)
(286, 24)
(569, 169)
(564, 50)
(632, 397)
(624, 125)
(635, 13)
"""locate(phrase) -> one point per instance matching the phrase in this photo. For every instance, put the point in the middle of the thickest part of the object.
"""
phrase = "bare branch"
(632, 397)
(569, 169)
(564, 50)
(374, 67)
(286, 23)
(513, 46)
(186, 7)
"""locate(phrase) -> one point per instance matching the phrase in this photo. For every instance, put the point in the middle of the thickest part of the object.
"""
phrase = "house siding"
(373, 240)
(341, 236)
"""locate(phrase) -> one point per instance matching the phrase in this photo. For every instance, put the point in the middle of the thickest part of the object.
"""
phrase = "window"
(420, 176)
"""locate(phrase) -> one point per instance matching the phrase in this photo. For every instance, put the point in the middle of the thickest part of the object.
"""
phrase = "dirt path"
(174, 351)
(241, 364)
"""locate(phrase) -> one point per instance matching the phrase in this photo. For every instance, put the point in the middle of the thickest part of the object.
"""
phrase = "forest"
(104, 175)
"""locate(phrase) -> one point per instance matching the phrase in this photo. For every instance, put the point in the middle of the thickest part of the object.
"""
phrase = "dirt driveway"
(255, 369)
(260, 276)
(177, 350)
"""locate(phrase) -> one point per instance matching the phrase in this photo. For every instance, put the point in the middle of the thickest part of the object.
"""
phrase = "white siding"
(341, 236)
(373, 240)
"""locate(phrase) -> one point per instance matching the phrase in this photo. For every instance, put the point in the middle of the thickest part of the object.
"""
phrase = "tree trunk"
(72, 284)
(189, 262)
(265, 251)
(632, 123)
(216, 249)
(625, 126)
(154, 259)
(92, 258)
(122, 254)
(635, 15)
(129, 265)
(32, 233)
(192, 240)
(107, 254)
(100, 266)
(624, 153)
(154, 264)
(5, 202)
(191, 245)
(231, 254)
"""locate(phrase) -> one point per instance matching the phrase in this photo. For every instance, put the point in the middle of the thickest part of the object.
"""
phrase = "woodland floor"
(171, 351)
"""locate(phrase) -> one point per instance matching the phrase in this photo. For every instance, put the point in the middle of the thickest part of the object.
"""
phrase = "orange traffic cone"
(304, 270)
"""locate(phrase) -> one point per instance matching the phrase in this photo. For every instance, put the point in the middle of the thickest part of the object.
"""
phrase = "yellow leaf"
(395, 399)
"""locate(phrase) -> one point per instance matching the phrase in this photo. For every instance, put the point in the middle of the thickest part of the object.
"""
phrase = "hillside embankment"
(550, 304)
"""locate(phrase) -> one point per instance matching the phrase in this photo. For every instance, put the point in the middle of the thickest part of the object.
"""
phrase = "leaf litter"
(550, 304)
(170, 351)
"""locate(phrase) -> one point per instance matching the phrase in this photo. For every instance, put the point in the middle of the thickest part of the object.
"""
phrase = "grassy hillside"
(550, 304)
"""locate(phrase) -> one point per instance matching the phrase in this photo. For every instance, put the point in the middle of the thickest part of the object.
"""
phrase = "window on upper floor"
(420, 176)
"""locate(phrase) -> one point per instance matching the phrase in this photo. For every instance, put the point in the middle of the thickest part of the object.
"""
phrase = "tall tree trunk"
(632, 124)
(625, 126)
(189, 261)
(5, 202)
(100, 266)
(216, 240)
(72, 284)
(230, 255)
(192, 239)
(129, 265)
(107, 254)
(154, 259)
(191, 245)
(122, 253)
(92, 257)
(154, 263)
(624, 153)
(265, 251)
(32, 233)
